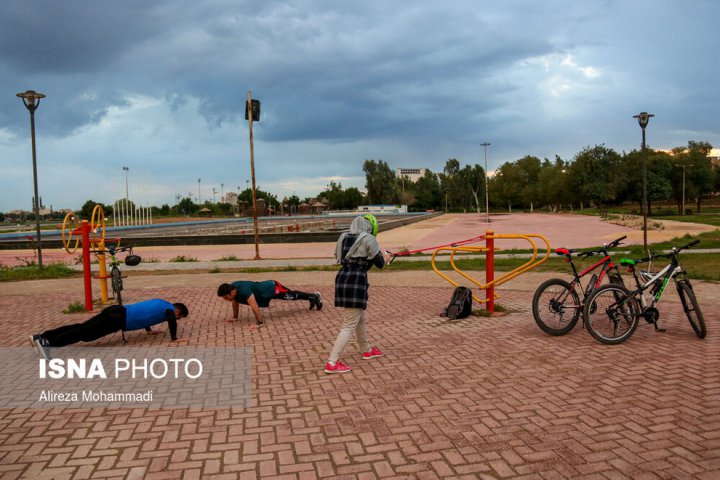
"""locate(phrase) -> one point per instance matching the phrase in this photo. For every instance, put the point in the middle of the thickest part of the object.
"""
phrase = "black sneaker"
(318, 300)
(33, 339)
(312, 303)
(41, 346)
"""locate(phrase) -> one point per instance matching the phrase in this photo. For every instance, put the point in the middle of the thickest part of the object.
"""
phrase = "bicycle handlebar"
(604, 249)
(675, 250)
(112, 250)
(615, 242)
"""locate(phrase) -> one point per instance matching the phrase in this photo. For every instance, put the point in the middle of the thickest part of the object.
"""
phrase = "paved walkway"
(479, 398)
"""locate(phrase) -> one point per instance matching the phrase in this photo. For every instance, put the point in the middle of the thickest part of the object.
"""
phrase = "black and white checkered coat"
(351, 282)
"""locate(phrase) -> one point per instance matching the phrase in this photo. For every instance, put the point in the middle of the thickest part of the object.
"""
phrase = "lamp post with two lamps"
(487, 201)
(643, 118)
(31, 99)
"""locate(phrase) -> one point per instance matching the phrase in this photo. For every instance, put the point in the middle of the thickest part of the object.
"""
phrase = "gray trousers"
(353, 321)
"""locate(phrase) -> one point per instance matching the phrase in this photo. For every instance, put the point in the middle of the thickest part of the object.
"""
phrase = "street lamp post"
(252, 112)
(643, 119)
(127, 195)
(31, 99)
(683, 189)
(487, 201)
(127, 171)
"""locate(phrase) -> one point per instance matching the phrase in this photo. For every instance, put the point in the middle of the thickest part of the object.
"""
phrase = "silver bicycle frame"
(658, 295)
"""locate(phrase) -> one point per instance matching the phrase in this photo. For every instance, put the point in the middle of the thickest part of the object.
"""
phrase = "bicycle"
(556, 304)
(115, 275)
(618, 310)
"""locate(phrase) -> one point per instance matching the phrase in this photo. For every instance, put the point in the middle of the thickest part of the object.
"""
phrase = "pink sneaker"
(339, 367)
(373, 353)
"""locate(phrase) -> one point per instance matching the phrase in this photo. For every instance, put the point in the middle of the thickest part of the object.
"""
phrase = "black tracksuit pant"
(110, 320)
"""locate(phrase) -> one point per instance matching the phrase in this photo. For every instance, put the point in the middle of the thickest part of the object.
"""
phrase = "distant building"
(715, 157)
(382, 208)
(414, 174)
(231, 198)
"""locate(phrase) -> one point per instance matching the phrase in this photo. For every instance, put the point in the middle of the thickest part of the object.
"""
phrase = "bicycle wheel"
(691, 307)
(615, 315)
(117, 286)
(556, 307)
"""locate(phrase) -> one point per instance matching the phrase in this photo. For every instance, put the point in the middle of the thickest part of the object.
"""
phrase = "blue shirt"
(150, 312)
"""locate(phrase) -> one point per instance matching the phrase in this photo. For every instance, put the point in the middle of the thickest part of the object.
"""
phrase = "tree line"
(596, 176)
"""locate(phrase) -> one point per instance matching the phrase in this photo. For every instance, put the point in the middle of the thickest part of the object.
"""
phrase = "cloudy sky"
(160, 86)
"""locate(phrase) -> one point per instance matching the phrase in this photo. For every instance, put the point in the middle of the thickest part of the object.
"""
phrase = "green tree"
(596, 175)
(517, 183)
(87, 209)
(353, 198)
(185, 207)
(701, 175)
(472, 184)
(552, 183)
(427, 191)
(452, 185)
(380, 182)
(270, 199)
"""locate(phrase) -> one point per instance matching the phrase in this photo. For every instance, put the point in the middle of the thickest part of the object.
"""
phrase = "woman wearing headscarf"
(356, 251)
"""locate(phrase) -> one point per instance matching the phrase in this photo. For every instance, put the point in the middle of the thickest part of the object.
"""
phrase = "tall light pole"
(199, 196)
(643, 119)
(487, 201)
(214, 192)
(31, 99)
(252, 112)
(683, 197)
(222, 194)
(127, 171)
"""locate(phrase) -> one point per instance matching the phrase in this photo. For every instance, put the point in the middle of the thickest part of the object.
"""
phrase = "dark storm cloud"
(341, 72)
(410, 82)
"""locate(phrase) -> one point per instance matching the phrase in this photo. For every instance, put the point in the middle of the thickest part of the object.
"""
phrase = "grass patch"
(705, 218)
(74, 307)
(32, 272)
(231, 258)
(182, 259)
(215, 269)
(483, 312)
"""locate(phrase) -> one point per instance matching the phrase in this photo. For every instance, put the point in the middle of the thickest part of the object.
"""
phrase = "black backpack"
(460, 304)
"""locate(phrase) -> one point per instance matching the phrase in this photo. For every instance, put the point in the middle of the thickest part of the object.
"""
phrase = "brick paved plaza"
(479, 398)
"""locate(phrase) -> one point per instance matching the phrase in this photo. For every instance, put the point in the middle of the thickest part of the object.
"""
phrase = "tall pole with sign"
(252, 112)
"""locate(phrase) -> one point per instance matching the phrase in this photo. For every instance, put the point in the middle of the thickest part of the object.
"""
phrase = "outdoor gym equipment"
(92, 236)
(489, 250)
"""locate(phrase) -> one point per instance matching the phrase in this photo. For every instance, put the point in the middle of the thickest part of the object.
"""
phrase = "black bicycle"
(618, 310)
(557, 303)
(115, 275)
